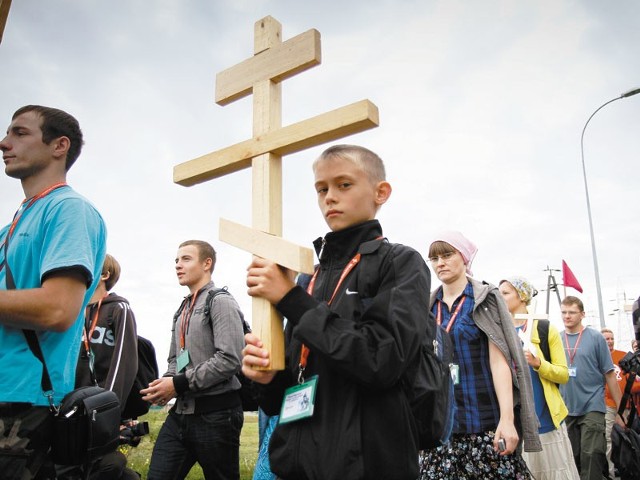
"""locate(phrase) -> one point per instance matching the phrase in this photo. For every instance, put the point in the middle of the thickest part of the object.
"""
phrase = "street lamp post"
(586, 191)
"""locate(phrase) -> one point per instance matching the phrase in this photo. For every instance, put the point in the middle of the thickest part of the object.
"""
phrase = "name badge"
(572, 371)
(455, 373)
(182, 360)
(299, 401)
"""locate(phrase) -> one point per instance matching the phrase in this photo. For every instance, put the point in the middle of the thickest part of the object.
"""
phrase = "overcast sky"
(481, 109)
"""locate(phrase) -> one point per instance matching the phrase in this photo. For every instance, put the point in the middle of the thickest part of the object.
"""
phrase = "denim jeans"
(211, 439)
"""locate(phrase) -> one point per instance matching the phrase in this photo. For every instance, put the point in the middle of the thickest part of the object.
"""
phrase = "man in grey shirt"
(205, 354)
(590, 366)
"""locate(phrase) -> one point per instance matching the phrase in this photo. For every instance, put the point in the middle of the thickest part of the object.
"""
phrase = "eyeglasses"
(445, 257)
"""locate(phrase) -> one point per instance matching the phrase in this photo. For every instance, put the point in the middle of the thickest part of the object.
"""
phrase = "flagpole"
(586, 191)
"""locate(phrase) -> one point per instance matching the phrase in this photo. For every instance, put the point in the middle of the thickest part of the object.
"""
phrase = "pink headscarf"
(461, 243)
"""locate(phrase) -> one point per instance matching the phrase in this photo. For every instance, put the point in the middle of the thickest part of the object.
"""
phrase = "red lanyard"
(304, 351)
(186, 318)
(453, 317)
(87, 335)
(572, 353)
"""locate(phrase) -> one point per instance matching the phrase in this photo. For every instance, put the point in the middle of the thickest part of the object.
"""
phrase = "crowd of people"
(531, 402)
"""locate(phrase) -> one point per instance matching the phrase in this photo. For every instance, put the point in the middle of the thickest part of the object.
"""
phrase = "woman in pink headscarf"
(494, 407)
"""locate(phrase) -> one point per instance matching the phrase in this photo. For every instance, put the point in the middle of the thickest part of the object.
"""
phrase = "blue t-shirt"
(584, 392)
(59, 232)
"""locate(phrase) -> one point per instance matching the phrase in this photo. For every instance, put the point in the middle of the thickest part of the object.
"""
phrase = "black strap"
(211, 295)
(34, 346)
(543, 334)
(626, 397)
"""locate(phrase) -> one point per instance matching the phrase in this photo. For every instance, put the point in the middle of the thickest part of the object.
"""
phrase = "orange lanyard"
(26, 203)
(572, 353)
(304, 351)
(186, 319)
(29, 202)
(86, 336)
(453, 317)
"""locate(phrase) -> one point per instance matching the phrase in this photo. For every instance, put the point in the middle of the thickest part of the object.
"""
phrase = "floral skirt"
(471, 456)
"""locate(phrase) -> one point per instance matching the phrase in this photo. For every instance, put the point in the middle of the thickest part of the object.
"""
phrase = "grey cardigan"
(491, 315)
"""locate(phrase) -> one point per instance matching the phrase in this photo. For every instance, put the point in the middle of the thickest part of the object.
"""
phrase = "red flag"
(568, 278)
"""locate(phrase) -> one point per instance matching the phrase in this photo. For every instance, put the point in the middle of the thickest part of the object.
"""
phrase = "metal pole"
(586, 191)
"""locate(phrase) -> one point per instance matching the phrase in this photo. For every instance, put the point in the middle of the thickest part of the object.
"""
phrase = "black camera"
(630, 363)
(133, 432)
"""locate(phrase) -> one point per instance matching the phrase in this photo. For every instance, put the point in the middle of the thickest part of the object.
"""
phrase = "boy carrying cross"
(350, 336)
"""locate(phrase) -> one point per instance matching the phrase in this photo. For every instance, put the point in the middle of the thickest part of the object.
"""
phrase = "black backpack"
(625, 442)
(147, 373)
(427, 383)
(247, 391)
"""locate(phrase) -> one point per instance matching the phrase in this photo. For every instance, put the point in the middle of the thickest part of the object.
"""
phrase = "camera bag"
(86, 423)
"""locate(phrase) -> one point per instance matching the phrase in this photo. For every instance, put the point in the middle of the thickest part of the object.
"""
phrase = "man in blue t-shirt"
(50, 259)
(590, 366)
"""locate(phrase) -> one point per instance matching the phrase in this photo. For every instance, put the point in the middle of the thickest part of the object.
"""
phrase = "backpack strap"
(543, 333)
(211, 295)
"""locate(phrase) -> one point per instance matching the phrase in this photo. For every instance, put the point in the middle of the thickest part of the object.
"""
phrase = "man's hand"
(253, 355)
(160, 391)
(268, 280)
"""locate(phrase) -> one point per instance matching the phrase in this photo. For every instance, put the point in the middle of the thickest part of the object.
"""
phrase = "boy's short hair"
(364, 158)
(205, 250)
(112, 267)
(439, 247)
(606, 330)
(55, 124)
(571, 300)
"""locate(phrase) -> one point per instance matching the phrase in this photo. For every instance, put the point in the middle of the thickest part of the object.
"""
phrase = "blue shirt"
(584, 392)
(59, 232)
(476, 401)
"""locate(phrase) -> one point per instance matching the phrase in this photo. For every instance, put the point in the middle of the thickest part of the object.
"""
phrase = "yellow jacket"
(552, 373)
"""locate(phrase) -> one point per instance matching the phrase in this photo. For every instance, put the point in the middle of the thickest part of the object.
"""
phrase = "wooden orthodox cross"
(526, 337)
(273, 61)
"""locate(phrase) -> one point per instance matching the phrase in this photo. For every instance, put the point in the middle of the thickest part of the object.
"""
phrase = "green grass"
(140, 456)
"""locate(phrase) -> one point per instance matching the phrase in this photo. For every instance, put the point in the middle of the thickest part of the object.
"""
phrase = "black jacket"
(360, 346)
(114, 342)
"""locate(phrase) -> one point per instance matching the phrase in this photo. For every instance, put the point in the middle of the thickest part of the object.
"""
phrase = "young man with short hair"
(590, 366)
(350, 336)
(204, 356)
(50, 260)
